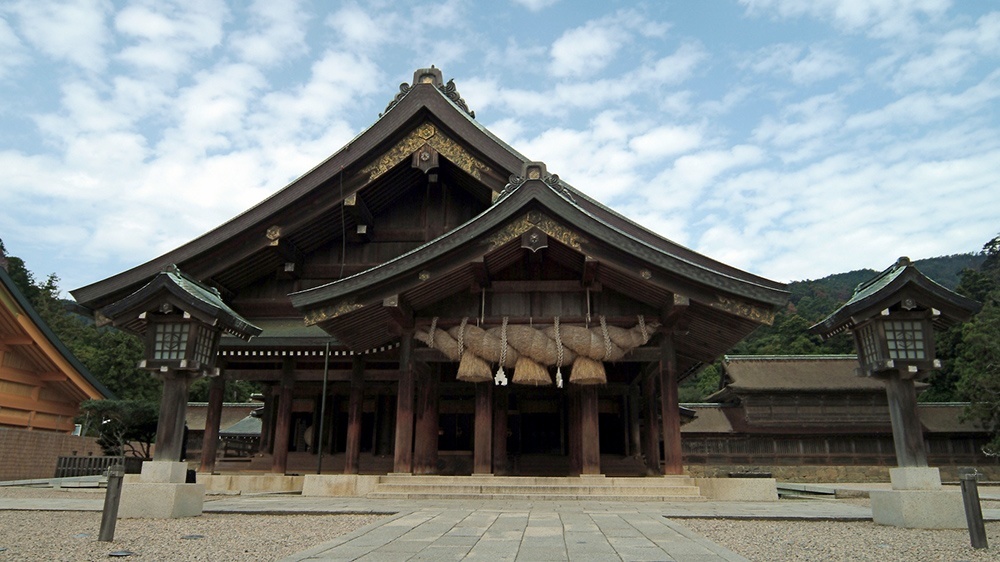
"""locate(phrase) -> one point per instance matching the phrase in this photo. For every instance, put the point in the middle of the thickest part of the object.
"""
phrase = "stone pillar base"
(160, 493)
(919, 509)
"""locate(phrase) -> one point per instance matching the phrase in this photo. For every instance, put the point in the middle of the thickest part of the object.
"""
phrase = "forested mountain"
(811, 301)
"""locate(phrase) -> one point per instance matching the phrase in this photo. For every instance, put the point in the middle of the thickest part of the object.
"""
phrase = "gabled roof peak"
(431, 76)
(533, 171)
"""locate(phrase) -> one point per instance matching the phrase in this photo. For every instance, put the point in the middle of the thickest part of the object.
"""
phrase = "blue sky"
(791, 138)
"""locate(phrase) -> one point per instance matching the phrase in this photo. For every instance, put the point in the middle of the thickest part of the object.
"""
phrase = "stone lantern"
(181, 322)
(892, 318)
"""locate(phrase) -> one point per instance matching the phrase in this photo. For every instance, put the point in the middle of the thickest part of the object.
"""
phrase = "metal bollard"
(969, 478)
(112, 497)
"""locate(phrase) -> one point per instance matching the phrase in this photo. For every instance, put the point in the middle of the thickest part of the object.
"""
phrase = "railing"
(95, 466)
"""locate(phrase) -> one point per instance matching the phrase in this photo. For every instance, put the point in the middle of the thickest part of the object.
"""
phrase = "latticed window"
(905, 339)
(203, 348)
(870, 351)
(170, 341)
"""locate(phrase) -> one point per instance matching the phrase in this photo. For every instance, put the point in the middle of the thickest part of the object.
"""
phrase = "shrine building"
(433, 302)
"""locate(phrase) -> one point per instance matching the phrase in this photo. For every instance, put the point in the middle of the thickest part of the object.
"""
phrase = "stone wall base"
(739, 489)
(339, 485)
(250, 483)
(821, 473)
(919, 509)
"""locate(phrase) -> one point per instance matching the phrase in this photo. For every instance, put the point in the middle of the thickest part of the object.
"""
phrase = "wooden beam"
(29, 405)
(556, 286)
(21, 376)
(283, 423)
(400, 312)
(16, 339)
(670, 408)
(356, 208)
(54, 376)
(311, 375)
(674, 312)
(481, 273)
(590, 270)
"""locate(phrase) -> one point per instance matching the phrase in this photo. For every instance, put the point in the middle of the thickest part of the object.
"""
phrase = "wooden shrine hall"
(433, 302)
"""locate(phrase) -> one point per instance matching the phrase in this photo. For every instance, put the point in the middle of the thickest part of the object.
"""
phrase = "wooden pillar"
(385, 425)
(651, 426)
(282, 426)
(590, 444)
(173, 409)
(210, 443)
(907, 433)
(673, 461)
(267, 421)
(425, 437)
(483, 439)
(403, 452)
(575, 456)
(353, 451)
(500, 406)
(634, 435)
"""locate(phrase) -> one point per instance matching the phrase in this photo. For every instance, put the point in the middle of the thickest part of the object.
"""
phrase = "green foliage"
(696, 388)
(236, 391)
(124, 427)
(976, 349)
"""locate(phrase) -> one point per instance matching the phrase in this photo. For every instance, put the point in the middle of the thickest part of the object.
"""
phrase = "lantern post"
(181, 322)
(892, 318)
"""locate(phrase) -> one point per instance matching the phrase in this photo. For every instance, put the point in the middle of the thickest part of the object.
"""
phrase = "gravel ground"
(779, 541)
(72, 536)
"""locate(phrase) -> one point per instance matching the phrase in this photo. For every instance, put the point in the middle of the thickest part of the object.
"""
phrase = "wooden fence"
(95, 466)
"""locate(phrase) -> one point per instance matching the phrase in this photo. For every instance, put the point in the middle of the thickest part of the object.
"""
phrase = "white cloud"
(588, 49)
(536, 5)
(885, 18)
(14, 52)
(73, 30)
(354, 26)
(167, 35)
(952, 56)
(278, 32)
(800, 65)
(666, 140)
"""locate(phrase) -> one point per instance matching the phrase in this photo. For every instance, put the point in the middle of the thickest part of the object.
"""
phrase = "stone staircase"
(542, 488)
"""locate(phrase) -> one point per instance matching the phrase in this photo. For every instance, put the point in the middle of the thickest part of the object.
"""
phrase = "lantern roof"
(902, 285)
(171, 286)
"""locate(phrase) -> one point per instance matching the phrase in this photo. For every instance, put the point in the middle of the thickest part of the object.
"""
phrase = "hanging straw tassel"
(559, 353)
(588, 371)
(529, 372)
(473, 369)
(501, 378)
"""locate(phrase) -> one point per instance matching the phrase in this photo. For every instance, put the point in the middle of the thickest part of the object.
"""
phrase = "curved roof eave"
(506, 207)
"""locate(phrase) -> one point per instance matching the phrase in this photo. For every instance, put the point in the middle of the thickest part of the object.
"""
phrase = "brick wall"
(32, 454)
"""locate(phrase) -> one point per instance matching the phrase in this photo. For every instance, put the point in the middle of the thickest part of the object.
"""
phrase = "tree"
(124, 427)
(977, 354)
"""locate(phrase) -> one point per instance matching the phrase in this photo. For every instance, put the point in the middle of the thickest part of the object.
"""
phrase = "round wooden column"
(483, 438)
(213, 418)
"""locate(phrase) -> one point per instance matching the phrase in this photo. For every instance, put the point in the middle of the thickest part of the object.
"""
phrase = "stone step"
(589, 481)
(544, 489)
(533, 497)
(597, 487)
